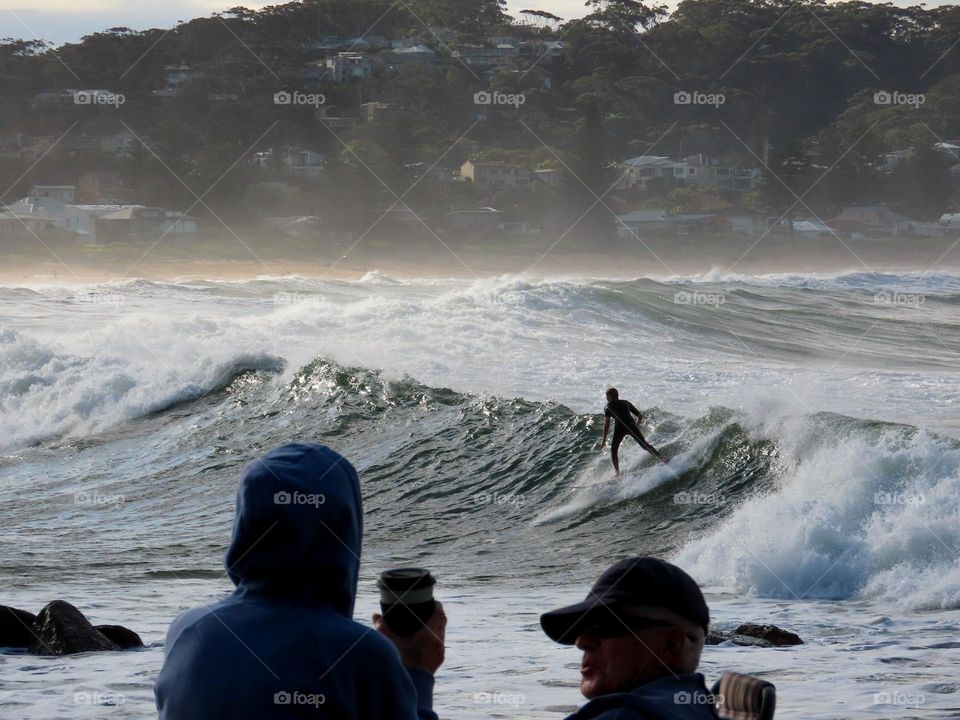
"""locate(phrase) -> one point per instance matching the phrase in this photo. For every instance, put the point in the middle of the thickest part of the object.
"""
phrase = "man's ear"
(674, 638)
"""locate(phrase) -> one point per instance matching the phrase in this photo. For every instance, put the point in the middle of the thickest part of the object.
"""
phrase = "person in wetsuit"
(622, 412)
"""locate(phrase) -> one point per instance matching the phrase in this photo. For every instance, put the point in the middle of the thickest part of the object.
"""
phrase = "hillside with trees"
(819, 96)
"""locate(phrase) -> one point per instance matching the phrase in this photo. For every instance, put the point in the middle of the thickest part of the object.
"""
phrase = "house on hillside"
(542, 52)
(333, 44)
(347, 67)
(431, 172)
(890, 160)
(748, 222)
(869, 220)
(637, 172)
(17, 223)
(415, 54)
(697, 171)
(483, 56)
(307, 163)
(475, 221)
(495, 175)
(88, 142)
(377, 111)
(706, 172)
(175, 78)
(63, 193)
(333, 117)
(135, 222)
(653, 223)
(549, 176)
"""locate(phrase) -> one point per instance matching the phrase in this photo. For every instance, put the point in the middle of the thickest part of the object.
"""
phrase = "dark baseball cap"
(635, 581)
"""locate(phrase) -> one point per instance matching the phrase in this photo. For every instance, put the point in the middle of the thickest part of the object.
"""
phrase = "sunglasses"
(607, 625)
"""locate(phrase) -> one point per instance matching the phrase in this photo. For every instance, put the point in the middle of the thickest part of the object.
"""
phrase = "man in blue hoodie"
(641, 630)
(284, 644)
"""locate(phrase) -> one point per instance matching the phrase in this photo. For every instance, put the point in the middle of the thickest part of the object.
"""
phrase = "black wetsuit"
(623, 414)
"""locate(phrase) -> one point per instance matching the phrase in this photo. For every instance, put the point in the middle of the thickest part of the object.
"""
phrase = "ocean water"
(811, 420)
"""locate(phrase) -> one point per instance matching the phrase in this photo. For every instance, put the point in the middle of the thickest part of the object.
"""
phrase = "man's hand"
(424, 650)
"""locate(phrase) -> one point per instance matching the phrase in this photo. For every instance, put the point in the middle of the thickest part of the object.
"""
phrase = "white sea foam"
(80, 360)
(855, 516)
(845, 520)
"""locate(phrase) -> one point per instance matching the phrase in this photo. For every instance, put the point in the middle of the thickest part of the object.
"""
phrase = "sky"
(60, 21)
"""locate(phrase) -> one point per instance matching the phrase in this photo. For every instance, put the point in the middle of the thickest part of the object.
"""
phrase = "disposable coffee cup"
(406, 599)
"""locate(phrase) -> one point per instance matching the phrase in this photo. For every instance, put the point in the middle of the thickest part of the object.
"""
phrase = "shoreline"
(655, 258)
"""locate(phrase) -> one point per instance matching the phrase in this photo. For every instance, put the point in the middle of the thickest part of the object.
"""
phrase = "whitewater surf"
(811, 424)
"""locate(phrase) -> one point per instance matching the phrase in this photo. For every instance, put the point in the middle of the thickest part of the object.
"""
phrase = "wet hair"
(613, 393)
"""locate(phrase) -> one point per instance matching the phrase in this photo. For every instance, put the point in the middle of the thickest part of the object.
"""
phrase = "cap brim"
(564, 625)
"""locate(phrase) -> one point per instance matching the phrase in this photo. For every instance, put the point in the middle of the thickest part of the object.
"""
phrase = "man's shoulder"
(683, 697)
(297, 623)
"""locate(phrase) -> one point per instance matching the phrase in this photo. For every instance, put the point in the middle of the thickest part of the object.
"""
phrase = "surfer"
(623, 412)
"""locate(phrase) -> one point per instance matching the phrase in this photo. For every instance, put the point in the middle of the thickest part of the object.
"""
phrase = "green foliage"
(799, 78)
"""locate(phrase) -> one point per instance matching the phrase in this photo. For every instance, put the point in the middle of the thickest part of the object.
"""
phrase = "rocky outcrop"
(778, 637)
(754, 635)
(16, 627)
(122, 637)
(61, 629)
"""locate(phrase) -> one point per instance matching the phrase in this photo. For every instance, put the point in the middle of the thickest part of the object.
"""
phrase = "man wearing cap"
(641, 630)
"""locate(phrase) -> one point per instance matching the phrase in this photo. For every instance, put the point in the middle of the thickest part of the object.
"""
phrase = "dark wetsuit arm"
(636, 412)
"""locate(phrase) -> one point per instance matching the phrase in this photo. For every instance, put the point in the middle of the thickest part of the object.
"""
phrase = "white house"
(17, 224)
(81, 220)
(133, 222)
(63, 193)
(44, 209)
(636, 172)
(699, 171)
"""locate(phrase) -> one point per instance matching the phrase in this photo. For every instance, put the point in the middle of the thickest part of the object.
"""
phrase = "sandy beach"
(433, 257)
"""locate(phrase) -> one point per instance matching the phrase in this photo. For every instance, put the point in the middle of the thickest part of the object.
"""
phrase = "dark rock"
(777, 637)
(61, 629)
(16, 627)
(122, 637)
(749, 641)
(715, 638)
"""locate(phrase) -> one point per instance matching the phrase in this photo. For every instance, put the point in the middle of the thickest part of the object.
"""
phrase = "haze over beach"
(430, 235)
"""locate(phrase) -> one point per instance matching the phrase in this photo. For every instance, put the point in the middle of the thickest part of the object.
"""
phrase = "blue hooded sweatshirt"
(682, 697)
(284, 644)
